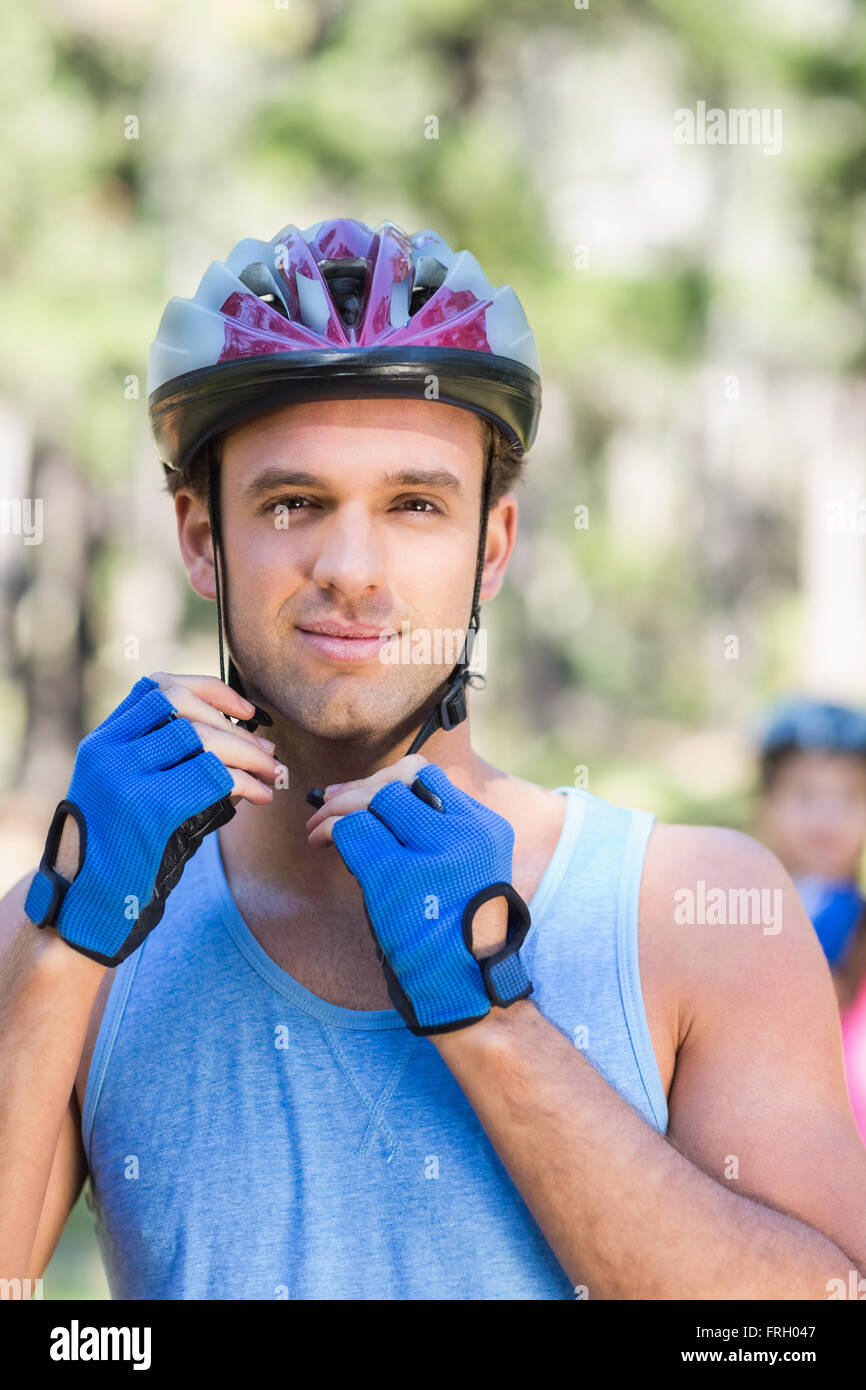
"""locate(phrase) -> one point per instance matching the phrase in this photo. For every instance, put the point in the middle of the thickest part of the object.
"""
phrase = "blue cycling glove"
(144, 793)
(427, 857)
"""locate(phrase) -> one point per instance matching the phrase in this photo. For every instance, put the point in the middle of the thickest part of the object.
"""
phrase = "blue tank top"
(248, 1140)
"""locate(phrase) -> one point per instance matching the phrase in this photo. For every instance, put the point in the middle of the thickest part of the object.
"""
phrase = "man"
(443, 1037)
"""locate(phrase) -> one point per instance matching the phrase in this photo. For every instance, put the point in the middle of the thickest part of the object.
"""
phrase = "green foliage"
(250, 119)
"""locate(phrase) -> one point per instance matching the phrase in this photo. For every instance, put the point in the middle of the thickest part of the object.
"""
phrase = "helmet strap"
(234, 681)
(451, 710)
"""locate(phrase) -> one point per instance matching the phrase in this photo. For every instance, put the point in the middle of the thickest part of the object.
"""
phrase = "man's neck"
(269, 843)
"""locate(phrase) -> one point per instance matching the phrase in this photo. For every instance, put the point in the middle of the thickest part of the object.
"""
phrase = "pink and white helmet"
(263, 329)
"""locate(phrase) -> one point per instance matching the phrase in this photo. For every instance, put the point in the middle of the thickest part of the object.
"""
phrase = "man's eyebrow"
(273, 478)
(442, 479)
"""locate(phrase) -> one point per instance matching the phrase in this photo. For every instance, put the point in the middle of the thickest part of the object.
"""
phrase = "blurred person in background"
(813, 817)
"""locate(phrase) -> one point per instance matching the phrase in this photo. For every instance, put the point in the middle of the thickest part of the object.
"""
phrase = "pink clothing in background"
(854, 1047)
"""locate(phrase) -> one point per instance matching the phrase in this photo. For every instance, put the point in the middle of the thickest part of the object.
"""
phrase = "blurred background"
(698, 307)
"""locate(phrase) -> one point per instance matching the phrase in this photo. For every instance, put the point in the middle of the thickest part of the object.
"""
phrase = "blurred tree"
(717, 283)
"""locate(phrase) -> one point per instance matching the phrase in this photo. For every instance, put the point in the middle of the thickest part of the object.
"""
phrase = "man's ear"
(194, 539)
(501, 537)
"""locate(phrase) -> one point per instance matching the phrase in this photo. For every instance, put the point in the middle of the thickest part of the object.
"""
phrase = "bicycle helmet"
(813, 725)
(803, 725)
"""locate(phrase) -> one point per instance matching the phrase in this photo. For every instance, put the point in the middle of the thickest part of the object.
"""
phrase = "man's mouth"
(346, 642)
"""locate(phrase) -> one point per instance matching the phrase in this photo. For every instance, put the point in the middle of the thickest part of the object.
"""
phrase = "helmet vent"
(346, 280)
(258, 278)
(429, 275)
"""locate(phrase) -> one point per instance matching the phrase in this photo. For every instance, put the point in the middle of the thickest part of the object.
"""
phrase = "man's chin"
(355, 722)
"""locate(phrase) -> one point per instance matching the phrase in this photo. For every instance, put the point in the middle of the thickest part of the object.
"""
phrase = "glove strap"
(504, 974)
(48, 888)
(505, 977)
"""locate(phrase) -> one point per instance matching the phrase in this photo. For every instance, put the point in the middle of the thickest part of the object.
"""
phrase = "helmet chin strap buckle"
(447, 714)
(452, 706)
(451, 709)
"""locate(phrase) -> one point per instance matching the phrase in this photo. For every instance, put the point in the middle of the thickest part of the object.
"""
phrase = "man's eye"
(412, 502)
(290, 504)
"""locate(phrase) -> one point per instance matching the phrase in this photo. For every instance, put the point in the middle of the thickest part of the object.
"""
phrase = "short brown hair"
(506, 459)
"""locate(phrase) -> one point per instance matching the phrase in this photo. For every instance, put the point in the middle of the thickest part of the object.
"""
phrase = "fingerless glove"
(427, 857)
(144, 793)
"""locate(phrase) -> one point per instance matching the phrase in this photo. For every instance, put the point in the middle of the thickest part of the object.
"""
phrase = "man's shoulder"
(522, 802)
(712, 876)
(720, 920)
(677, 853)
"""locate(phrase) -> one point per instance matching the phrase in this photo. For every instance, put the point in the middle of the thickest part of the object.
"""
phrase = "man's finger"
(249, 788)
(355, 796)
(234, 751)
(406, 770)
(197, 710)
(337, 806)
(211, 689)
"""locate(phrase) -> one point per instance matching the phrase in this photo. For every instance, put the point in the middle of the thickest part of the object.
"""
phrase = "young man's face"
(358, 513)
(814, 814)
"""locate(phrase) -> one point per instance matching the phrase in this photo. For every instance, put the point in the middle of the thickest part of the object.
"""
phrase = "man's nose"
(351, 552)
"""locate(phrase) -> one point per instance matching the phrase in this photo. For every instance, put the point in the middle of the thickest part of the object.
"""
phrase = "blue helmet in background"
(813, 726)
(799, 725)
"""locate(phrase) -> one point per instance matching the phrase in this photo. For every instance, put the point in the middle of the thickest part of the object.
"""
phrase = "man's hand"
(490, 923)
(429, 859)
(343, 797)
(210, 705)
(161, 772)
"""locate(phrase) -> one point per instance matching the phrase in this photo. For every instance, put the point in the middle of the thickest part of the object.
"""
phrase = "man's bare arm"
(48, 990)
(632, 1214)
(47, 993)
